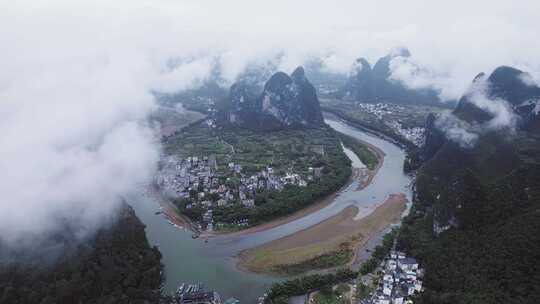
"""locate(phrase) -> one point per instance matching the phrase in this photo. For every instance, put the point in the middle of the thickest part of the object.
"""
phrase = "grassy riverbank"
(336, 258)
(316, 247)
(364, 153)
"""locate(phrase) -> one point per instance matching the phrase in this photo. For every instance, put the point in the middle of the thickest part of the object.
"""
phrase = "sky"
(76, 77)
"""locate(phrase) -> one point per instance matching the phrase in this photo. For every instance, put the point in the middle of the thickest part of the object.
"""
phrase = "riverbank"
(364, 176)
(173, 215)
(367, 173)
(357, 174)
(393, 138)
(169, 210)
(189, 260)
(324, 237)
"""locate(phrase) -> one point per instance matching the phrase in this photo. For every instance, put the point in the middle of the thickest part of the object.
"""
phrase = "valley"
(221, 249)
(405, 124)
(283, 152)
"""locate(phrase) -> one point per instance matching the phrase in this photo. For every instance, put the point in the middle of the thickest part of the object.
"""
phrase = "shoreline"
(169, 210)
(400, 142)
(324, 237)
(363, 175)
(316, 206)
(371, 173)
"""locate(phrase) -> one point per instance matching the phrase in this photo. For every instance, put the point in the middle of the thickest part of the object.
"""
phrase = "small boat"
(180, 289)
(158, 212)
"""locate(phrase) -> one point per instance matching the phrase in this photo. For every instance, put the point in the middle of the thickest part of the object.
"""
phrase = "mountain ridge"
(476, 208)
(286, 102)
(374, 84)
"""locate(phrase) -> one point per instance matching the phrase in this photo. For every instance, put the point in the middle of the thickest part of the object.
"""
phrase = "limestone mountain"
(508, 85)
(285, 102)
(360, 84)
(367, 84)
(505, 86)
(475, 206)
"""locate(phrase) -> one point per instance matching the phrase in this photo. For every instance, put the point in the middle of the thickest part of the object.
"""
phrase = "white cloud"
(465, 134)
(529, 80)
(457, 130)
(75, 76)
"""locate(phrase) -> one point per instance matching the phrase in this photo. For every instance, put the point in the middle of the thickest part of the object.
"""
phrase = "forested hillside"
(116, 266)
(475, 222)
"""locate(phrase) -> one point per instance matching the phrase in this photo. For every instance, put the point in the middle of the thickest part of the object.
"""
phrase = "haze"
(76, 78)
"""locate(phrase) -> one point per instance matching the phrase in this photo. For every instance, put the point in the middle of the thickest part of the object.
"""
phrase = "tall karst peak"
(373, 85)
(285, 102)
(504, 85)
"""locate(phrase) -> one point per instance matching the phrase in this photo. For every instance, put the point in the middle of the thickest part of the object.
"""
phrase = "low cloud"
(414, 76)
(465, 134)
(76, 78)
(529, 80)
(457, 130)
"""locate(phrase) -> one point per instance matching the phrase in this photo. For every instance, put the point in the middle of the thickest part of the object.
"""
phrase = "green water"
(192, 260)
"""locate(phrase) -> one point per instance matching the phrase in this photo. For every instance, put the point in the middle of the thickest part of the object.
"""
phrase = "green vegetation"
(331, 259)
(487, 199)
(287, 150)
(283, 150)
(343, 288)
(117, 265)
(279, 293)
(364, 153)
(379, 253)
(363, 291)
(328, 296)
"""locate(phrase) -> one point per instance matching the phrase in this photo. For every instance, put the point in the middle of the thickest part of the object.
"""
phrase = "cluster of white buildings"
(195, 178)
(380, 110)
(401, 278)
(414, 135)
(178, 176)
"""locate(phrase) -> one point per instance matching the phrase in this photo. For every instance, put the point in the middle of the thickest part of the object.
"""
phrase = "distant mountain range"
(374, 84)
(285, 102)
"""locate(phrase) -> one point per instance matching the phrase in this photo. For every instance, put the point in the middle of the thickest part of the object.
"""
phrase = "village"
(198, 179)
(400, 279)
(382, 110)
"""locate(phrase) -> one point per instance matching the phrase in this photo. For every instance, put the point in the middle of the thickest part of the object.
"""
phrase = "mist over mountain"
(508, 98)
(80, 79)
(376, 84)
(494, 124)
(501, 102)
(478, 195)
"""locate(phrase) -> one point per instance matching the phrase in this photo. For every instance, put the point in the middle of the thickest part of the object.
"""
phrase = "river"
(213, 263)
